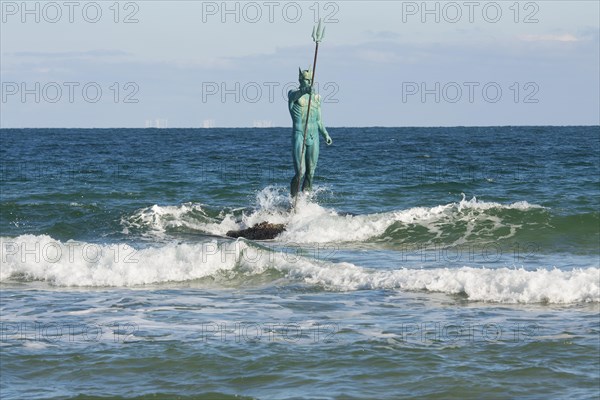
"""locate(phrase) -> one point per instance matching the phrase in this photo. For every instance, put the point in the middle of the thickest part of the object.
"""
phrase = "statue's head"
(304, 77)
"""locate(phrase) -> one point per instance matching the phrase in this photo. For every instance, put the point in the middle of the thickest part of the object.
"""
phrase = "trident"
(317, 35)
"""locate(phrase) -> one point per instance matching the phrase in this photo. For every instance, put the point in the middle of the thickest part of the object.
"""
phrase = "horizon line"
(330, 127)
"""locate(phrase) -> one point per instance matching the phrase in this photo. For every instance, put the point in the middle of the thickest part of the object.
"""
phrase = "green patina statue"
(305, 109)
(305, 151)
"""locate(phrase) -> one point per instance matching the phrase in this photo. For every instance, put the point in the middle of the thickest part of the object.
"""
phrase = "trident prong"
(318, 31)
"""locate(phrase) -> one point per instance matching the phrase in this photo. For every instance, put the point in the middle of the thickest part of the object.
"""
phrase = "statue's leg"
(312, 156)
(298, 169)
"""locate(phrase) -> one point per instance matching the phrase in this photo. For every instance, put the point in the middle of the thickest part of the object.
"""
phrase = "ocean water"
(427, 263)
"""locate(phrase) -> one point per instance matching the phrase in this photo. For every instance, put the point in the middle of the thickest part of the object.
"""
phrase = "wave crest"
(450, 224)
(86, 264)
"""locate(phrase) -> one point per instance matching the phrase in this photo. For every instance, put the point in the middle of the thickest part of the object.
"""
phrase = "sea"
(437, 263)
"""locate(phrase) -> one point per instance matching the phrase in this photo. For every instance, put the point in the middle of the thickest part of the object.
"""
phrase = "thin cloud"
(567, 37)
(383, 35)
(377, 56)
(72, 54)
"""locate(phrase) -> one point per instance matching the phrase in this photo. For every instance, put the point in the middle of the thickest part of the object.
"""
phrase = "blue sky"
(382, 63)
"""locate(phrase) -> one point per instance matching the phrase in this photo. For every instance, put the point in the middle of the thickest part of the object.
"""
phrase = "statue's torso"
(298, 110)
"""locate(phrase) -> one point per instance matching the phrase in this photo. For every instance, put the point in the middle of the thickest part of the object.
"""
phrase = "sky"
(230, 64)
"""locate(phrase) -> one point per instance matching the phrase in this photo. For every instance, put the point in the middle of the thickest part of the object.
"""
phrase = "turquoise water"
(428, 262)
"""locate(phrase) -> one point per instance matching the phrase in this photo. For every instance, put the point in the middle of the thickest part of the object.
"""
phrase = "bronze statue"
(305, 149)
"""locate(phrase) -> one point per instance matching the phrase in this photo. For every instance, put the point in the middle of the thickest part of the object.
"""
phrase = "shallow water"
(437, 262)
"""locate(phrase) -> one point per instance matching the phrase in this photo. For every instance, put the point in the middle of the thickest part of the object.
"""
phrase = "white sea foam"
(157, 219)
(494, 285)
(313, 223)
(84, 264)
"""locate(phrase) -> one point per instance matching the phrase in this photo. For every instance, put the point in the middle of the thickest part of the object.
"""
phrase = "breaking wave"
(450, 224)
(41, 258)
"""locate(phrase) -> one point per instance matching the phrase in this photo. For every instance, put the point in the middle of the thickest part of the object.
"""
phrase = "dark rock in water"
(262, 231)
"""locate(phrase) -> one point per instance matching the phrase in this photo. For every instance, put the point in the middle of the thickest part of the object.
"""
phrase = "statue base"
(262, 231)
